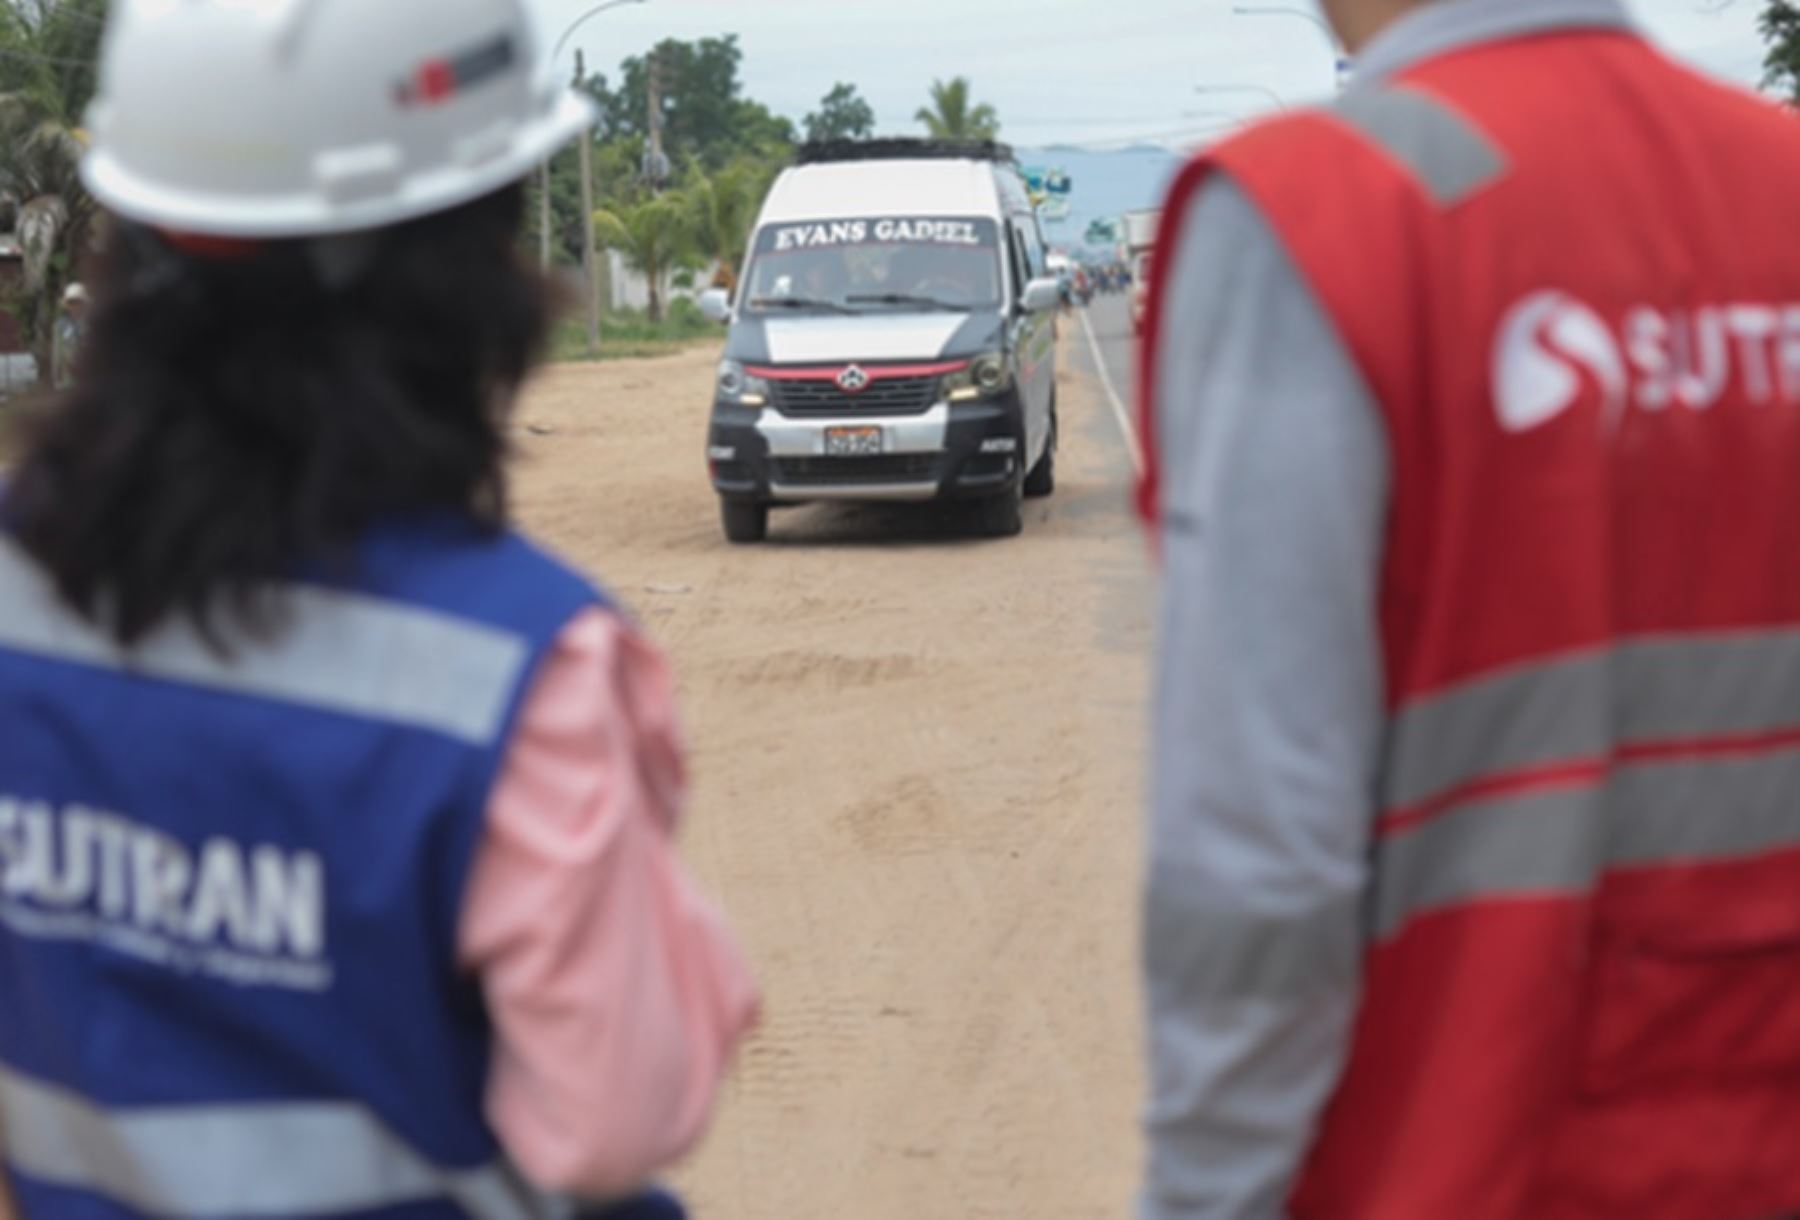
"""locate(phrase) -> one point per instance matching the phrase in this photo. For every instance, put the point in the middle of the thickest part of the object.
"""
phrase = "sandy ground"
(918, 767)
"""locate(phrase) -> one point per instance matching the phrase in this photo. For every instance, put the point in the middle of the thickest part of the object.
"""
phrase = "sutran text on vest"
(250, 914)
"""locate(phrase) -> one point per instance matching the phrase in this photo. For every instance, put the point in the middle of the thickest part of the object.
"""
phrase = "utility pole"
(590, 257)
(544, 217)
(654, 161)
(544, 214)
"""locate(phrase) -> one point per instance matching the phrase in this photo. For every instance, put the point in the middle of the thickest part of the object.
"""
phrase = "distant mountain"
(1106, 184)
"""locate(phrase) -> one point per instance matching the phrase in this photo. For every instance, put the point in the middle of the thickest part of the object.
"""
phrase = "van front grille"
(887, 396)
(856, 471)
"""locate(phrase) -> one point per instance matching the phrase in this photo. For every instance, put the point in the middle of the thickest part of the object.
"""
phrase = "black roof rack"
(824, 152)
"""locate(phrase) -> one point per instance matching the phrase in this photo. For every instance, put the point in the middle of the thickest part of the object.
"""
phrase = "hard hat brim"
(315, 214)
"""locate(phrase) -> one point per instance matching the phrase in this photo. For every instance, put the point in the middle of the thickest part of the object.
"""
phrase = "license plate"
(854, 442)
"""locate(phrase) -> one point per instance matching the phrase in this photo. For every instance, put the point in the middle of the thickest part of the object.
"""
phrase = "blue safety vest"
(230, 892)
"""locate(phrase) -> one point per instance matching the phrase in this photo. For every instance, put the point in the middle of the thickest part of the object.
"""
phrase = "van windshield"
(875, 264)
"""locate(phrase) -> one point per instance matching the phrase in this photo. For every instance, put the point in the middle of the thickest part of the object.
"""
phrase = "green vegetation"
(1780, 23)
(953, 116)
(842, 115)
(631, 334)
(718, 213)
(706, 117)
(712, 134)
(47, 50)
(723, 151)
(653, 237)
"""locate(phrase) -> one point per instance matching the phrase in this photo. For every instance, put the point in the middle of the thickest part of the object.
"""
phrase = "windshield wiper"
(902, 298)
(799, 303)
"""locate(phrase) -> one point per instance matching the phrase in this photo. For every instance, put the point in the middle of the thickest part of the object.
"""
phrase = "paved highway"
(1104, 345)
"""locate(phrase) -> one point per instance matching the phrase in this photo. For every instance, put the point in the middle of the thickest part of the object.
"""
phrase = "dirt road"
(918, 766)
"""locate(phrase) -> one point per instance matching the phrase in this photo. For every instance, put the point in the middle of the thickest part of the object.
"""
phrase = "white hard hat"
(74, 294)
(297, 118)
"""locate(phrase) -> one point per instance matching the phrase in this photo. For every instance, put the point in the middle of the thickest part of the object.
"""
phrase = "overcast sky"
(1087, 72)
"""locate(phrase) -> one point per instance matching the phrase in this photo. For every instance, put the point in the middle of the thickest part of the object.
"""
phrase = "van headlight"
(987, 376)
(738, 387)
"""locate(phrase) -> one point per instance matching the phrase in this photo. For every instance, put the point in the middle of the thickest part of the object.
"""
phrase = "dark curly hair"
(241, 414)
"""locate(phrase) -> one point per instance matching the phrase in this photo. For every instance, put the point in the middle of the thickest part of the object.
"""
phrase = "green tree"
(565, 209)
(1780, 24)
(952, 116)
(709, 129)
(721, 210)
(655, 237)
(565, 184)
(756, 132)
(618, 168)
(47, 53)
(706, 118)
(843, 114)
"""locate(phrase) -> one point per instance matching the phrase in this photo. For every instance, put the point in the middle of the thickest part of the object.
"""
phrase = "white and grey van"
(893, 338)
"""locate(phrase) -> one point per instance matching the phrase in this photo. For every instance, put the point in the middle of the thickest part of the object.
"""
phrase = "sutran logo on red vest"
(1554, 352)
(1550, 347)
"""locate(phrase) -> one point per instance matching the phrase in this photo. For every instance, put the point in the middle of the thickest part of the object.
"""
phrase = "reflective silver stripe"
(240, 1161)
(342, 653)
(1547, 843)
(1522, 718)
(1708, 809)
(1451, 157)
(1558, 841)
(1206, 953)
(1580, 707)
(1552, 842)
(1729, 685)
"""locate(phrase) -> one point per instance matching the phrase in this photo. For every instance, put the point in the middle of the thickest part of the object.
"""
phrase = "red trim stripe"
(1587, 773)
(1740, 745)
(876, 372)
(207, 246)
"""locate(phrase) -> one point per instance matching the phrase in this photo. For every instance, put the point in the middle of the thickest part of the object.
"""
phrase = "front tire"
(1001, 516)
(745, 521)
(1041, 481)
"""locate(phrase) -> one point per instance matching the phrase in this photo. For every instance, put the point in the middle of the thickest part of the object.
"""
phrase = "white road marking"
(1132, 442)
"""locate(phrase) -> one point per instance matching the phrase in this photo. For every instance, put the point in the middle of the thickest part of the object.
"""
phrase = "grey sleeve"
(1268, 719)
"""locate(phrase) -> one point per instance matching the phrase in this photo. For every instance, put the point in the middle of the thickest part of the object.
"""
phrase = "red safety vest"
(1570, 272)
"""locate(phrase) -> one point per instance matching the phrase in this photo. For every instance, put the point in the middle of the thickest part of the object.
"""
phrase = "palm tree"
(951, 117)
(654, 236)
(1780, 25)
(47, 54)
(721, 209)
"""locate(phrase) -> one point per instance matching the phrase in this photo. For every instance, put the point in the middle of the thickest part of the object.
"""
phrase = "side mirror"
(715, 303)
(1042, 295)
